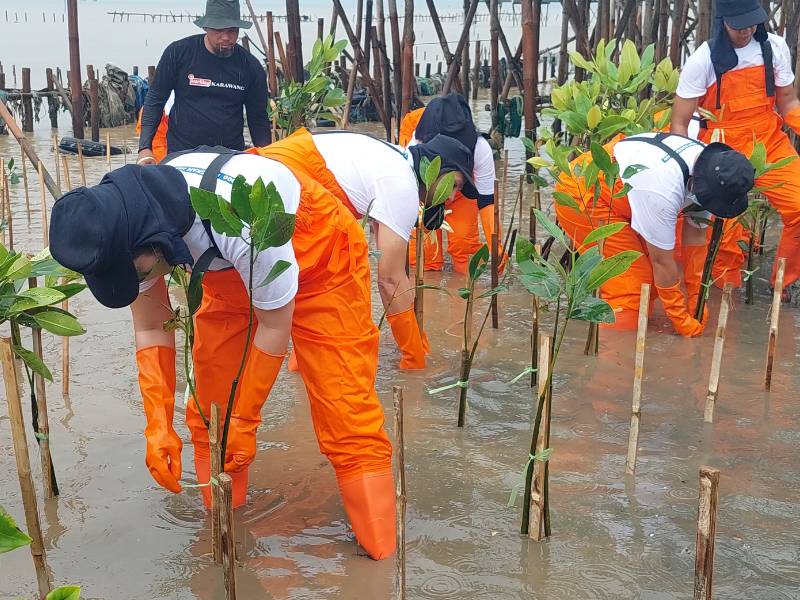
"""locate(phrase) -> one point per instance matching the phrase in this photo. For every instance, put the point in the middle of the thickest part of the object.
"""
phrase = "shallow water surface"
(119, 535)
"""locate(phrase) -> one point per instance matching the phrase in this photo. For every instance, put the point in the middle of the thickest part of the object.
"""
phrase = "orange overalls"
(621, 292)
(159, 145)
(748, 116)
(464, 240)
(336, 344)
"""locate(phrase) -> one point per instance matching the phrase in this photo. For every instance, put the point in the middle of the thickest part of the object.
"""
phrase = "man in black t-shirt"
(212, 78)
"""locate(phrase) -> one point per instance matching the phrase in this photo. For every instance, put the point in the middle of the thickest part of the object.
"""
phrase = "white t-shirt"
(483, 172)
(235, 252)
(697, 74)
(372, 172)
(658, 193)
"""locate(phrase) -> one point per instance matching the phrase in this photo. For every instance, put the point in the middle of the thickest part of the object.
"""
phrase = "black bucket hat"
(721, 179)
(740, 14)
(451, 116)
(222, 14)
(97, 230)
(455, 157)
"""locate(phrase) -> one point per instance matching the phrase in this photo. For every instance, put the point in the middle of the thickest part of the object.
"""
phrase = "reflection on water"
(120, 536)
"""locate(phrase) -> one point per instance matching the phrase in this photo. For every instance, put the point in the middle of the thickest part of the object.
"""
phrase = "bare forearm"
(396, 292)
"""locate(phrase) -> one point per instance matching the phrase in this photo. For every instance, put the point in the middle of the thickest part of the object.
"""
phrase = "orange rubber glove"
(792, 119)
(157, 384)
(260, 373)
(487, 222)
(407, 335)
(694, 257)
(675, 306)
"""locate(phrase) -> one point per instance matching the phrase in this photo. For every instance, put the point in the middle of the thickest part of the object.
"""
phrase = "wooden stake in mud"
(638, 373)
(5, 198)
(41, 426)
(43, 206)
(494, 247)
(466, 365)
(716, 360)
(65, 354)
(227, 535)
(67, 176)
(55, 158)
(82, 166)
(75, 69)
(419, 277)
(706, 533)
(108, 151)
(400, 491)
(711, 255)
(25, 185)
(213, 447)
(24, 466)
(773, 323)
(535, 331)
(536, 529)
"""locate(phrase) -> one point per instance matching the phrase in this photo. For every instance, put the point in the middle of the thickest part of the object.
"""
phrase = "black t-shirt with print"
(209, 95)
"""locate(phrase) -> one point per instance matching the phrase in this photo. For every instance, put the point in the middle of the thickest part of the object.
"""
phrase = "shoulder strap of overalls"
(658, 141)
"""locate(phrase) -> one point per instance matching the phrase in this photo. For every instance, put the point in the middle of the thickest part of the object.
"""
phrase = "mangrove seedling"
(303, 104)
(572, 293)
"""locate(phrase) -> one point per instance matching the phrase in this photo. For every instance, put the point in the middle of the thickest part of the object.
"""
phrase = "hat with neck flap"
(97, 230)
(448, 115)
(739, 14)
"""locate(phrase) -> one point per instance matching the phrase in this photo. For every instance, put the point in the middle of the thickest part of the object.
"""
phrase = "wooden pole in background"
(227, 535)
(716, 360)
(773, 323)
(706, 533)
(530, 62)
(82, 168)
(494, 53)
(638, 374)
(535, 331)
(536, 529)
(409, 80)
(108, 151)
(94, 104)
(295, 39)
(24, 466)
(75, 88)
(213, 446)
(494, 250)
(455, 66)
(271, 66)
(56, 154)
(27, 101)
(476, 70)
(5, 198)
(400, 490)
(397, 69)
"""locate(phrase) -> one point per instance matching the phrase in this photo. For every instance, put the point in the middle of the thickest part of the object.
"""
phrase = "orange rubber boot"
(406, 333)
(292, 364)
(370, 505)
(202, 466)
(694, 257)
(488, 224)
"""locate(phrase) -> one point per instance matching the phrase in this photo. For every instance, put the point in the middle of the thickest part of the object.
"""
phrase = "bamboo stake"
(24, 466)
(535, 332)
(82, 166)
(773, 323)
(67, 176)
(419, 277)
(65, 354)
(227, 535)
(55, 157)
(536, 530)
(400, 491)
(213, 446)
(638, 373)
(42, 422)
(466, 365)
(6, 199)
(108, 151)
(43, 206)
(495, 255)
(27, 189)
(706, 533)
(716, 360)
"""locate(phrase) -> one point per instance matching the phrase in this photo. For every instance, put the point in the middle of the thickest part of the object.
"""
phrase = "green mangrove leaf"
(564, 199)
(623, 191)
(478, 262)
(540, 278)
(594, 310)
(35, 298)
(194, 291)
(632, 170)
(277, 232)
(18, 268)
(610, 268)
(444, 189)
(205, 203)
(525, 249)
(59, 323)
(11, 536)
(227, 223)
(603, 232)
(259, 204)
(240, 199)
(70, 289)
(551, 227)
(601, 158)
(464, 293)
(34, 363)
(578, 60)
(67, 592)
(277, 269)
(432, 172)
(494, 291)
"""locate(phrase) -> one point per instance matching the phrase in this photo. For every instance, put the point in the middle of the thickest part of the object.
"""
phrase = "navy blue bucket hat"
(97, 230)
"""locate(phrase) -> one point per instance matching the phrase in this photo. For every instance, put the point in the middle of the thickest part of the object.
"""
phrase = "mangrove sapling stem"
(25, 185)
(24, 466)
(227, 535)
(400, 491)
(466, 357)
(43, 205)
(706, 533)
(6, 200)
(773, 323)
(711, 256)
(65, 353)
(419, 277)
(749, 296)
(638, 374)
(762, 240)
(535, 499)
(716, 360)
(213, 446)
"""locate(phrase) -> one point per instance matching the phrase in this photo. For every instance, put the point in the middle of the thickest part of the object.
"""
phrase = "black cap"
(455, 157)
(740, 14)
(451, 116)
(96, 230)
(721, 179)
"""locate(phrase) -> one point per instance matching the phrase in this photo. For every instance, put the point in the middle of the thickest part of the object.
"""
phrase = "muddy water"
(120, 536)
